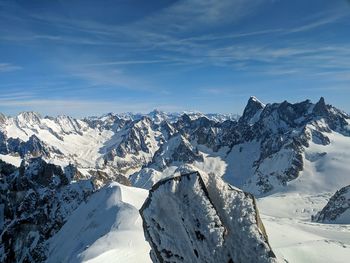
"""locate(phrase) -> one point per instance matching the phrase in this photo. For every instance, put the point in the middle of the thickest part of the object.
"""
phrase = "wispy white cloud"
(112, 77)
(7, 67)
(216, 90)
(326, 19)
(189, 14)
(20, 95)
(213, 37)
(128, 62)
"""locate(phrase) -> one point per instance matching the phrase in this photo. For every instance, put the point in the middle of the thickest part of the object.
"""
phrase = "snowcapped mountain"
(158, 116)
(266, 150)
(269, 145)
(290, 156)
(114, 143)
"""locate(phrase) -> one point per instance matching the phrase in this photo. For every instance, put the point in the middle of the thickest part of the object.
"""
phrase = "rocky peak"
(184, 119)
(253, 108)
(199, 218)
(143, 123)
(34, 147)
(334, 118)
(177, 149)
(68, 124)
(186, 124)
(167, 129)
(3, 119)
(321, 107)
(157, 116)
(28, 118)
(136, 138)
(109, 121)
(43, 173)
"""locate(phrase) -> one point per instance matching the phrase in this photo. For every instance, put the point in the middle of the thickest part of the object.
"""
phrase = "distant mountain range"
(51, 166)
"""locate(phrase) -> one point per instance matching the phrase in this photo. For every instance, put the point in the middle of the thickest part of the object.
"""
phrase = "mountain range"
(291, 156)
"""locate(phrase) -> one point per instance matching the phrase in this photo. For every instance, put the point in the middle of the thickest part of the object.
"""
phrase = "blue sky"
(91, 57)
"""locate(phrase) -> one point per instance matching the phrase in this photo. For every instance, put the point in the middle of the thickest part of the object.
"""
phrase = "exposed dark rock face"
(3, 146)
(101, 178)
(135, 140)
(194, 219)
(108, 122)
(36, 200)
(138, 142)
(6, 169)
(337, 209)
(177, 150)
(34, 147)
(43, 174)
(167, 130)
(251, 111)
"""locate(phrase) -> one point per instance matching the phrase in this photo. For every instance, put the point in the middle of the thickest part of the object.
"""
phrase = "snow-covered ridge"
(108, 228)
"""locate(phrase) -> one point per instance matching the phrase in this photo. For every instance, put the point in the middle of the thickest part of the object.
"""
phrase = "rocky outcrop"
(33, 147)
(252, 111)
(101, 178)
(337, 209)
(177, 150)
(135, 147)
(36, 198)
(190, 218)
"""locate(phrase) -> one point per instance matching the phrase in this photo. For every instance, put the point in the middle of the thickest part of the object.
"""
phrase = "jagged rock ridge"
(188, 219)
(337, 209)
(35, 201)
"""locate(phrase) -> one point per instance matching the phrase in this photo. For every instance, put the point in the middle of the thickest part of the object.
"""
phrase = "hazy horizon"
(184, 111)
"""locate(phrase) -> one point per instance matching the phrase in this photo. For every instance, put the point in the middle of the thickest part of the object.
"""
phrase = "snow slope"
(287, 212)
(296, 239)
(108, 228)
(299, 241)
(326, 167)
(14, 160)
